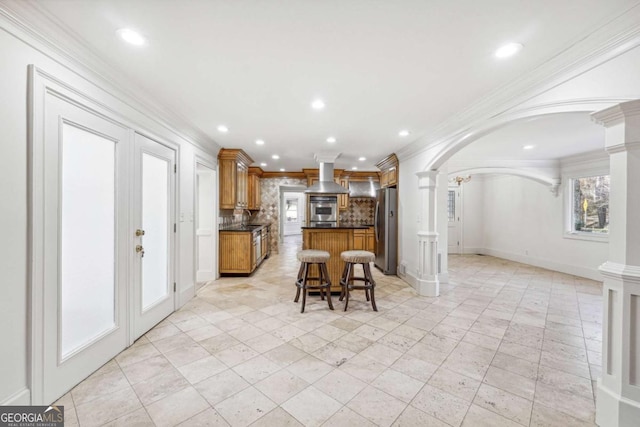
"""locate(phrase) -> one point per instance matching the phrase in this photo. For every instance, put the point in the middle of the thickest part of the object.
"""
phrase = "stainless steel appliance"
(386, 230)
(323, 209)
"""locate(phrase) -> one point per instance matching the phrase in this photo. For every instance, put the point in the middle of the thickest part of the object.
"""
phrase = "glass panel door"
(153, 232)
(80, 197)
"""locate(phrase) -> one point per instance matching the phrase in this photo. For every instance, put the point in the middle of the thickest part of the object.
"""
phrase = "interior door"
(454, 224)
(84, 246)
(205, 223)
(154, 234)
(293, 207)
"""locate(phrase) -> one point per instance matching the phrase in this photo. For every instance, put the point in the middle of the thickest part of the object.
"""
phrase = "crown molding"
(35, 27)
(607, 42)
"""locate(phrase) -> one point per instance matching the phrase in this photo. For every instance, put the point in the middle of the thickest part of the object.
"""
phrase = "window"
(451, 205)
(292, 210)
(590, 204)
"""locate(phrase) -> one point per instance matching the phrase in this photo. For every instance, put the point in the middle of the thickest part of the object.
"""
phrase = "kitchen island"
(334, 240)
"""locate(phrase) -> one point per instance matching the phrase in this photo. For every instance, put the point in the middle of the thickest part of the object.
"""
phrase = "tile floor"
(505, 344)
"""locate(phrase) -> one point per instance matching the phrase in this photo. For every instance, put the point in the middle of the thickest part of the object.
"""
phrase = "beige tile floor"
(505, 344)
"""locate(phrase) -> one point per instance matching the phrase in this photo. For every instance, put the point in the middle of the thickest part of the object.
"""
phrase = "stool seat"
(358, 257)
(313, 256)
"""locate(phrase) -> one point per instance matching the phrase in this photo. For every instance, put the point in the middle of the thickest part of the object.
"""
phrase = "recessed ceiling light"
(355, 168)
(362, 159)
(275, 157)
(508, 50)
(403, 133)
(259, 142)
(282, 169)
(263, 164)
(131, 37)
(223, 129)
(528, 147)
(331, 140)
(317, 104)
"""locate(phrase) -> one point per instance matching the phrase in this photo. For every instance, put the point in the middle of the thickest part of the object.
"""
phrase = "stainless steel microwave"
(323, 208)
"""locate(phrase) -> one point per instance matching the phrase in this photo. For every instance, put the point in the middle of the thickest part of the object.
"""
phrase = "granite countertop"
(246, 229)
(341, 226)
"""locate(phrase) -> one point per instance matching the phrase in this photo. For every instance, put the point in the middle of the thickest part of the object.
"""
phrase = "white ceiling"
(553, 136)
(255, 66)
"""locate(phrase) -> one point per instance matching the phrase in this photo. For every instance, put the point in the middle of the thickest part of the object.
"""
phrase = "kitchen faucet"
(243, 212)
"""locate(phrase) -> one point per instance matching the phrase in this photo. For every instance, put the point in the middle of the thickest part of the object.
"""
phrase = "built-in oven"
(323, 208)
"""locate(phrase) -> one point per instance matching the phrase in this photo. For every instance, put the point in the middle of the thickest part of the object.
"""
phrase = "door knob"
(140, 250)
(139, 232)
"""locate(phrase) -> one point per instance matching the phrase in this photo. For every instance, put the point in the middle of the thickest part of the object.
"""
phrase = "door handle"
(140, 250)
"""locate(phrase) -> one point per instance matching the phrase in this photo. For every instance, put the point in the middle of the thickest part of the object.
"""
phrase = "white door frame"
(199, 160)
(286, 189)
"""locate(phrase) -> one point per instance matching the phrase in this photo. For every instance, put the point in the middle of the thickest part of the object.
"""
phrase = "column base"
(424, 288)
(428, 288)
(613, 410)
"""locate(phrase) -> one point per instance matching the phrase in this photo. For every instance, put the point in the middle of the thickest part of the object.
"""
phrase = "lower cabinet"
(241, 252)
(236, 252)
(364, 239)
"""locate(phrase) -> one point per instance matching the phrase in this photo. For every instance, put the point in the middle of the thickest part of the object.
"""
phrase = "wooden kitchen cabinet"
(388, 171)
(254, 188)
(343, 199)
(364, 239)
(236, 252)
(233, 165)
(360, 239)
(371, 240)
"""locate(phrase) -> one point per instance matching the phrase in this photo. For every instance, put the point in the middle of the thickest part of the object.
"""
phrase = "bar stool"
(351, 258)
(308, 257)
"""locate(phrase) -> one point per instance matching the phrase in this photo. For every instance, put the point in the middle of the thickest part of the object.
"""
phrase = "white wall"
(14, 305)
(523, 221)
(473, 212)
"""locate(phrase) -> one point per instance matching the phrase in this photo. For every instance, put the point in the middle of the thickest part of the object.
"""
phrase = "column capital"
(427, 179)
(617, 114)
(622, 124)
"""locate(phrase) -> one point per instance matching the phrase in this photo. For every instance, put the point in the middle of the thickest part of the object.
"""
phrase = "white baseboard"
(185, 295)
(589, 273)
(19, 398)
(424, 288)
(472, 250)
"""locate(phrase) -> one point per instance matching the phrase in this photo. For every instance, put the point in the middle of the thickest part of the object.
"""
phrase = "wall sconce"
(460, 179)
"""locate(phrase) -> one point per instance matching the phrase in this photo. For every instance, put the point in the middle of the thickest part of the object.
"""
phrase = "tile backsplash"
(361, 211)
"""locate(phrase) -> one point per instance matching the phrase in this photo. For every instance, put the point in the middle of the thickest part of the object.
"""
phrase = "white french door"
(154, 231)
(80, 245)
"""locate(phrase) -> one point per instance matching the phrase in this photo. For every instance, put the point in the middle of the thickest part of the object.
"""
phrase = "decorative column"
(618, 399)
(427, 280)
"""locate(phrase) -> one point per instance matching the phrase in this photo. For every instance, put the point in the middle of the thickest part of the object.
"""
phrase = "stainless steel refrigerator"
(386, 230)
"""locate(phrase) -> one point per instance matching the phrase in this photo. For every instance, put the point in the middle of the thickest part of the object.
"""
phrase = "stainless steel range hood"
(326, 184)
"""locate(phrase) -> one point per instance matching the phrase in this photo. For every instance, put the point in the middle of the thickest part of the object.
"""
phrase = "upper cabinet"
(389, 171)
(233, 166)
(254, 188)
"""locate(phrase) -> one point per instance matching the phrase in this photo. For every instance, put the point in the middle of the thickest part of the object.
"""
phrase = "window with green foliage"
(590, 204)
